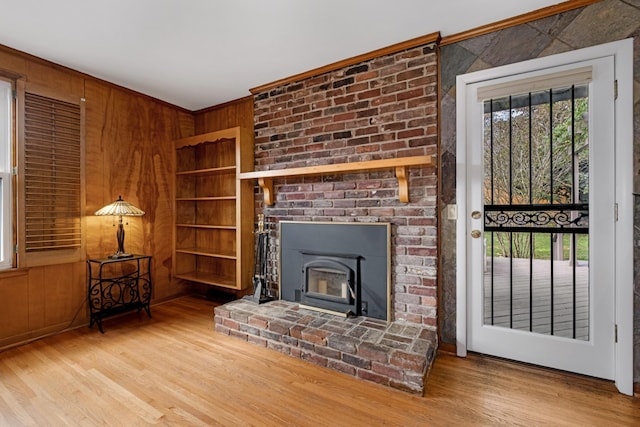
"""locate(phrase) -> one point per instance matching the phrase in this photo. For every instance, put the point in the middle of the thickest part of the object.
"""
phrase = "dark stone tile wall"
(602, 22)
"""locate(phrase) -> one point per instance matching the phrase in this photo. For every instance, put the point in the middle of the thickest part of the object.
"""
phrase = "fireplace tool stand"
(261, 293)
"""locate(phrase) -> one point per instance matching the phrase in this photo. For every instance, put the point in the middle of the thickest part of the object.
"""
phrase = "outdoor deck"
(539, 292)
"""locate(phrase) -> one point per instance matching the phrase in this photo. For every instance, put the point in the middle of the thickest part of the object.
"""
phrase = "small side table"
(118, 285)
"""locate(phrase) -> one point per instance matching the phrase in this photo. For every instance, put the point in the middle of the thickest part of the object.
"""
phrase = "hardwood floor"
(175, 370)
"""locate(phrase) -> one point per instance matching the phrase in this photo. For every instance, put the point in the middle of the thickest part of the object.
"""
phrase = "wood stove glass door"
(330, 284)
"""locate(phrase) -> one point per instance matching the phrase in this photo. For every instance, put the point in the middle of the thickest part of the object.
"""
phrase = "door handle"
(476, 233)
(475, 214)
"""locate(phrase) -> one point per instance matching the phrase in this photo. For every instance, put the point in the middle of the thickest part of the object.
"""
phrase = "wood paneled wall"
(129, 152)
(224, 116)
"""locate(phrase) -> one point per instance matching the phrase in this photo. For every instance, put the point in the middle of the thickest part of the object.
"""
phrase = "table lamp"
(120, 208)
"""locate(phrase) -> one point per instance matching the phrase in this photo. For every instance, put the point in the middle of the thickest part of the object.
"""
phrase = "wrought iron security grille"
(536, 212)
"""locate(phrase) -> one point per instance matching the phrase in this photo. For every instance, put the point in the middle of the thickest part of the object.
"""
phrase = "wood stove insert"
(342, 268)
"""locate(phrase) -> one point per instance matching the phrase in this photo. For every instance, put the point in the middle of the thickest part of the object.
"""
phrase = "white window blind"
(6, 233)
(567, 78)
(52, 174)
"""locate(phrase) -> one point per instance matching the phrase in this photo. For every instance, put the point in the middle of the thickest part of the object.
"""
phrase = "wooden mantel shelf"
(265, 178)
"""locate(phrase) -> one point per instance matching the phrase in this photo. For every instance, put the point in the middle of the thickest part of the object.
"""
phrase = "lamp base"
(119, 255)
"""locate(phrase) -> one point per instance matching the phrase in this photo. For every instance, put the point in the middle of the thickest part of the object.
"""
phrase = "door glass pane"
(536, 195)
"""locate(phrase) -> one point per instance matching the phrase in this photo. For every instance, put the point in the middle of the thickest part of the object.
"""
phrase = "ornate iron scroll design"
(112, 292)
(552, 218)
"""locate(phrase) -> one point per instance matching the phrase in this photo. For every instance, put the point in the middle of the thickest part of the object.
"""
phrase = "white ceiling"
(199, 53)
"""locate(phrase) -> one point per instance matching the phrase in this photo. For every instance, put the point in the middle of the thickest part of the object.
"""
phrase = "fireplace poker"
(260, 292)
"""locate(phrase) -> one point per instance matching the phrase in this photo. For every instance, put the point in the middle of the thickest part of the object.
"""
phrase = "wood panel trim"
(224, 105)
(516, 20)
(10, 75)
(398, 47)
(446, 348)
(231, 133)
(13, 272)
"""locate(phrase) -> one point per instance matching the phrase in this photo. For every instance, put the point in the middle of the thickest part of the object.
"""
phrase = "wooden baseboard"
(445, 347)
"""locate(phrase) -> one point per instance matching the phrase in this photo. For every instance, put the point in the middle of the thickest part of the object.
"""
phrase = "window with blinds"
(52, 174)
(6, 149)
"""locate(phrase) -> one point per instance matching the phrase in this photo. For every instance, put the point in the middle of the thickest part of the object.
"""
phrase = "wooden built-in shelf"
(209, 171)
(207, 278)
(231, 133)
(218, 227)
(207, 252)
(204, 199)
(265, 178)
(213, 211)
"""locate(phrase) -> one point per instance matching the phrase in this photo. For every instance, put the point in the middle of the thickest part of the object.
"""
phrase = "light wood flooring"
(175, 370)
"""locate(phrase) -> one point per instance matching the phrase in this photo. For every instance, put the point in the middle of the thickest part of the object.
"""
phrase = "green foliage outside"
(536, 151)
(542, 247)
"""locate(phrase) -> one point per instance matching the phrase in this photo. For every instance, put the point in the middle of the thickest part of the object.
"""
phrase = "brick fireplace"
(382, 108)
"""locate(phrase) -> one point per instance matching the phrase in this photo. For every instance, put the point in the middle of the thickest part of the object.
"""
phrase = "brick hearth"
(396, 354)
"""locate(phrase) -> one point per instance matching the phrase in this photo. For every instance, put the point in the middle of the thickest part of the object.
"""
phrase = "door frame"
(622, 51)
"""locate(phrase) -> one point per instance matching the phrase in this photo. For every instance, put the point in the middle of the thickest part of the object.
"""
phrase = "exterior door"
(540, 213)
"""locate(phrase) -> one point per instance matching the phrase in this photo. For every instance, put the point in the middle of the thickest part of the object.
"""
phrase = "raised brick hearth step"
(397, 354)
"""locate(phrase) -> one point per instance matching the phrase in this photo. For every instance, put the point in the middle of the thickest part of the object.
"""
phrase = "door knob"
(475, 214)
(475, 234)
